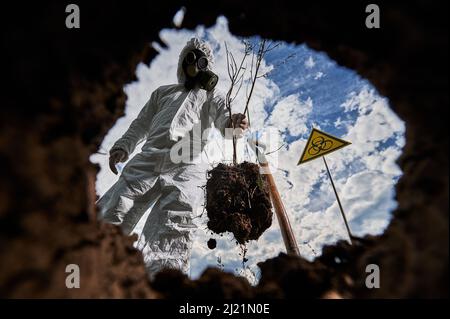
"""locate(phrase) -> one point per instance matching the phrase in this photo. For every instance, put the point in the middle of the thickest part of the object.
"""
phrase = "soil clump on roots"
(238, 201)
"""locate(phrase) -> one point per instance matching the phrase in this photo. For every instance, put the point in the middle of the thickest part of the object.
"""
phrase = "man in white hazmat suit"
(174, 120)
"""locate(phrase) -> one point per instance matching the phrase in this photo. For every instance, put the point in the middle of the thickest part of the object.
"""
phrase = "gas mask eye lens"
(190, 58)
(202, 63)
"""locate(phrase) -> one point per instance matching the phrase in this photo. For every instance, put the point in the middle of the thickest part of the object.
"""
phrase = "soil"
(213, 283)
(238, 201)
(332, 275)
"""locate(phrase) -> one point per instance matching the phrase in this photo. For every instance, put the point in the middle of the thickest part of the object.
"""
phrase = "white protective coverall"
(174, 119)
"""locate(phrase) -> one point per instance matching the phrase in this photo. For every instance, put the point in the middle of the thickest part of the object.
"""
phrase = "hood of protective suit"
(189, 112)
(192, 44)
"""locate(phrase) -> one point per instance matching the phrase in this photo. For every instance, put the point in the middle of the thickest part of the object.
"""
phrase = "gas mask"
(195, 66)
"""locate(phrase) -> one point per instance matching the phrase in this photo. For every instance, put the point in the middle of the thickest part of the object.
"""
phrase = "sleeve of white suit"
(138, 130)
(222, 117)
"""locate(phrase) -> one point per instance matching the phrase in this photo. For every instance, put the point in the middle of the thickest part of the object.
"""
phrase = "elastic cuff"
(115, 148)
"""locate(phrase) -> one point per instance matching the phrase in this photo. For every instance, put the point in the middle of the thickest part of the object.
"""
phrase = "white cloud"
(290, 113)
(318, 75)
(179, 17)
(309, 64)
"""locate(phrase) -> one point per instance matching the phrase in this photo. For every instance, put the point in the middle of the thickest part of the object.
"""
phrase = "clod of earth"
(238, 201)
(211, 243)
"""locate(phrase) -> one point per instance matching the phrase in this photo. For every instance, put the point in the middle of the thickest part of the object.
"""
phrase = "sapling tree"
(237, 195)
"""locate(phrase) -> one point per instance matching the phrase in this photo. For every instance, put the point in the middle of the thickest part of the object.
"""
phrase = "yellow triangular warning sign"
(320, 143)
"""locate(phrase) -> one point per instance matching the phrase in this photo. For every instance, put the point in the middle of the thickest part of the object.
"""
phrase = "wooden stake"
(280, 211)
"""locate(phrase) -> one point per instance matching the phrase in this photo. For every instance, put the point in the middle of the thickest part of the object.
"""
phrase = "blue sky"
(309, 90)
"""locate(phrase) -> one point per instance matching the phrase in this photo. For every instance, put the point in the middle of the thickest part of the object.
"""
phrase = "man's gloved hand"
(115, 157)
(240, 124)
(239, 121)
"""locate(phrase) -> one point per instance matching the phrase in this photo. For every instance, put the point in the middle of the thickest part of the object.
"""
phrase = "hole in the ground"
(304, 89)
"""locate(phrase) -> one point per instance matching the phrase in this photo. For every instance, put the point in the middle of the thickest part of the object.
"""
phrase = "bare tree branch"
(235, 74)
(259, 58)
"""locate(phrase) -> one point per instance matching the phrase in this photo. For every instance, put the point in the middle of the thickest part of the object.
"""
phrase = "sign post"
(339, 202)
(320, 143)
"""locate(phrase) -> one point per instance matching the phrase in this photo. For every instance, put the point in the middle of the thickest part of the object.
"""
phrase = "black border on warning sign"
(345, 143)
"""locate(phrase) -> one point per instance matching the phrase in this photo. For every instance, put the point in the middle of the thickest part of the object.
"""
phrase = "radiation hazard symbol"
(320, 143)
